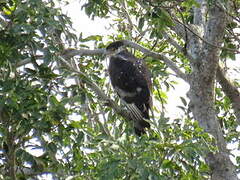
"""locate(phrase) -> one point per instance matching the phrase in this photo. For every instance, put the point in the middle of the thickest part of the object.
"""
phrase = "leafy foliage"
(52, 124)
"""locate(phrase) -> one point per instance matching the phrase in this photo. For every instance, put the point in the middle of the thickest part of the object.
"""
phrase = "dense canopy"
(61, 119)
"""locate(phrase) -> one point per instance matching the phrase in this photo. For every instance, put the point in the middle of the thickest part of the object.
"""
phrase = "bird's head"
(114, 48)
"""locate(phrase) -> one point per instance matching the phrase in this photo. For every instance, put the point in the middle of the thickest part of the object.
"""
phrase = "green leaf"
(183, 101)
(92, 38)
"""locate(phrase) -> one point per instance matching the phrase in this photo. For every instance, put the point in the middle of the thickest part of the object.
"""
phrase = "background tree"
(59, 117)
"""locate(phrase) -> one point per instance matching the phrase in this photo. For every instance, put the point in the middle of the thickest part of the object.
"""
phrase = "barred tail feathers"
(138, 117)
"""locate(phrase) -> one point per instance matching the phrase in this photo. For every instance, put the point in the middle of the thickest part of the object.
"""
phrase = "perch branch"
(68, 53)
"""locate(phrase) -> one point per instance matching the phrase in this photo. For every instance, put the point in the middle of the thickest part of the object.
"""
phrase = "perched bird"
(131, 80)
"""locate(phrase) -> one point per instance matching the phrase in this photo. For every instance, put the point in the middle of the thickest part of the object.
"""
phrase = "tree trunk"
(201, 94)
(202, 106)
(11, 156)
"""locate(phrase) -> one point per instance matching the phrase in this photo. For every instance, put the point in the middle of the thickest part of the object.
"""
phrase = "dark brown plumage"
(131, 80)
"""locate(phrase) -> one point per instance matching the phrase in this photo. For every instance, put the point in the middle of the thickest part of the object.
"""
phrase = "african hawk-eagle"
(131, 80)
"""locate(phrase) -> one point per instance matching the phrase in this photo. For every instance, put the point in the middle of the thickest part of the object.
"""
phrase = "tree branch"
(177, 46)
(68, 53)
(182, 29)
(167, 61)
(200, 13)
(217, 19)
(231, 92)
(71, 52)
